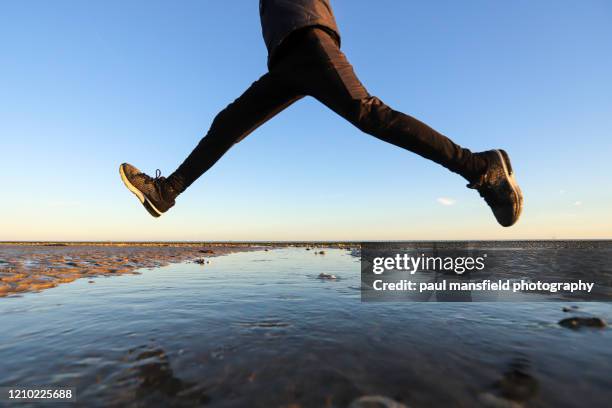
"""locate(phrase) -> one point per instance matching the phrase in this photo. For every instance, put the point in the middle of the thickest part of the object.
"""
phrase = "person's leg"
(264, 98)
(322, 70)
(333, 82)
(260, 102)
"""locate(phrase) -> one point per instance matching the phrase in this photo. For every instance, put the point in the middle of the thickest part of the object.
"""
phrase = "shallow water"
(260, 329)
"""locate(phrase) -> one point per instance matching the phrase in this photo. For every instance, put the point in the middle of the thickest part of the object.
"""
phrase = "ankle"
(175, 185)
(477, 169)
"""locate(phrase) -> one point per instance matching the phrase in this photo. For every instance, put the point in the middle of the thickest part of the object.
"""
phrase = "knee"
(370, 114)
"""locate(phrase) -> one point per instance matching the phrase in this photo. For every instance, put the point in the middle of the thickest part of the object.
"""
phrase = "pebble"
(580, 322)
(493, 401)
(513, 390)
(376, 401)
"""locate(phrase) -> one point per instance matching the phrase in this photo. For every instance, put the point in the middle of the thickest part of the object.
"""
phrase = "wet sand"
(30, 267)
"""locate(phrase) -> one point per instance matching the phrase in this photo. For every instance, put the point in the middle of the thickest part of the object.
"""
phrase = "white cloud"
(445, 201)
(578, 203)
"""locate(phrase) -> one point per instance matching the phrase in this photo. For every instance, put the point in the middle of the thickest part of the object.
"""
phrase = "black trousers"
(312, 64)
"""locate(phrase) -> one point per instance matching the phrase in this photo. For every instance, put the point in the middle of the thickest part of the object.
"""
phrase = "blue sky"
(88, 85)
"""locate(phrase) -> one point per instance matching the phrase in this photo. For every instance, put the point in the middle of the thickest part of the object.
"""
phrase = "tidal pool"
(261, 329)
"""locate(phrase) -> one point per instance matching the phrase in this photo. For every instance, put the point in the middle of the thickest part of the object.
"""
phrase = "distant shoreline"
(184, 243)
(330, 243)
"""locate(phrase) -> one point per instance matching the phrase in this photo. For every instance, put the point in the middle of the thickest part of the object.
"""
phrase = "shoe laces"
(158, 176)
(155, 180)
(479, 184)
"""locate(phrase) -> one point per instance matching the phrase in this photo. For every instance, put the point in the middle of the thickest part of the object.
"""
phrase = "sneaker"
(154, 193)
(499, 188)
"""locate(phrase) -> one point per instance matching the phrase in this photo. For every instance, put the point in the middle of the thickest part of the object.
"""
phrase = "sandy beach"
(27, 267)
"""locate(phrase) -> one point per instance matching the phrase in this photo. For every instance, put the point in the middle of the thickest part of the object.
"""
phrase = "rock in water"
(376, 401)
(513, 390)
(323, 275)
(580, 322)
(493, 401)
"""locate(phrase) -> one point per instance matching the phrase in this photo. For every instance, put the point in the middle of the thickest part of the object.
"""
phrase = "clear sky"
(87, 85)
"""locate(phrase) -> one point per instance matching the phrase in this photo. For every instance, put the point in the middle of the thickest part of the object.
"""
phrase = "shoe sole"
(518, 194)
(148, 205)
